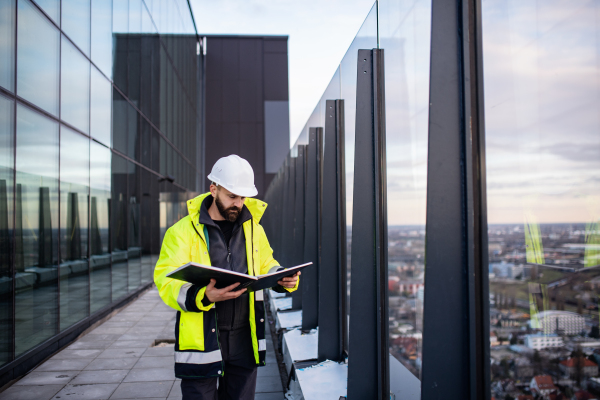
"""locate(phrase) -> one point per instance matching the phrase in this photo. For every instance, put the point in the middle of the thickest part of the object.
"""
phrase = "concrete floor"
(117, 360)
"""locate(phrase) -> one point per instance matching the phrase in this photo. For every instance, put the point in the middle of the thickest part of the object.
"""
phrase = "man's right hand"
(213, 294)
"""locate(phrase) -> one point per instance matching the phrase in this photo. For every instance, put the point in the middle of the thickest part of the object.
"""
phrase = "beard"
(230, 214)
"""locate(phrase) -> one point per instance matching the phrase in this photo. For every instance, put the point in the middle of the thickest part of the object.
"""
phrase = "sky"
(319, 33)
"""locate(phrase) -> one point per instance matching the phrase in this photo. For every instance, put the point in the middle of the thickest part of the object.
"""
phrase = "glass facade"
(99, 127)
(541, 99)
(540, 164)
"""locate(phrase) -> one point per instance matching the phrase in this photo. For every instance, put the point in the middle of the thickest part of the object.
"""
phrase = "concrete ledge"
(298, 346)
(324, 381)
(288, 320)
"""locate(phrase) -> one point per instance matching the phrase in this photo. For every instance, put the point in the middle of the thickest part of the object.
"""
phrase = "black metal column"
(368, 358)
(332, 275)
(297, 245)
(456, 308)
(310, 276)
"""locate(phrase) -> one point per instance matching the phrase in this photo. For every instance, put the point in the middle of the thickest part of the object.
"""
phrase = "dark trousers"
(239, 380)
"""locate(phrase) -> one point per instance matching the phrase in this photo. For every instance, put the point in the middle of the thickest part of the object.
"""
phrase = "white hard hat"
(234, 174)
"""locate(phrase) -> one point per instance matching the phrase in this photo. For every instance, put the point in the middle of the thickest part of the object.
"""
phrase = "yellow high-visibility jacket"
(197, 348)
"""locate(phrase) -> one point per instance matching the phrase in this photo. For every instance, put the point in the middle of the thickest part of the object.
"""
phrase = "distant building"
(506, 270)
(542, 385)
(522, 368)
(570, 366)
(410, 286)
(562, 322)
(583, 395)
(540, 341)
(494, 340)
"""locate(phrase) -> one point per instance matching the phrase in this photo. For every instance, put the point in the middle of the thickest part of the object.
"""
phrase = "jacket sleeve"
(180, 295)
(267, 262)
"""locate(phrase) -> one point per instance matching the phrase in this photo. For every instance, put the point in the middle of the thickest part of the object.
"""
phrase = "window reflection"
(76, 23)
(50, 7)
(543, 160)
(6, 226)
(134, 249)
(405, 38)
(37, 58)
(36, 229)
(100, 107)
(74, 194)
(100, 203)
(75, 87)
(7, 44)
(101, 35)
(119, 225)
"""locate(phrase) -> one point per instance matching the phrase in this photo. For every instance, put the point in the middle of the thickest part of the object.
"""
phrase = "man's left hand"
(290, 281)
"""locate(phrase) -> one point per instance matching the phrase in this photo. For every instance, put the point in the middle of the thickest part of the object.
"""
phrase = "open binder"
(201, 275)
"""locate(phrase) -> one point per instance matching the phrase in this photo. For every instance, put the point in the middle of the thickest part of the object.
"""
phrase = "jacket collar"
(254, 206)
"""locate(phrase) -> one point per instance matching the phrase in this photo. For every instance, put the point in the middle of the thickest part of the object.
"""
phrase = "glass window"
(75, 87)
(7, 44)
(120, 16)
(119, 121)
(133, 143)
(50, 7)
(37, 58)
(102, 35)
(147, 218)
(76, 23)
(135, 16)
(6, 226)
(74, 193)
(36, 229)
(119, 225)
(365, 39)
(405, 37)
(100, 107)
(100, 199)
(134, 249)
(542, 164)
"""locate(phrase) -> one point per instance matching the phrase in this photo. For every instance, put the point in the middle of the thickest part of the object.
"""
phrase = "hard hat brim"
(249, 191)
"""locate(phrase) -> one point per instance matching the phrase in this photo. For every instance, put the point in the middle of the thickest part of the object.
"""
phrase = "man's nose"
(238, 202)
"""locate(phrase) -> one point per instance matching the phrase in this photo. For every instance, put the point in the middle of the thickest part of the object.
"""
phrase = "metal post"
(297, 243)
(332, 276)
(368, 360)
(312, 232)
(456, 277)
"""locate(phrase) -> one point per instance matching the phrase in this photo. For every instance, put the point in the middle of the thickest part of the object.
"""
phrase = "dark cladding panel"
(250, 90)
(230, 66)
(276, 45)
(276, 76)
(214, 59)
(250, 59)
(230, 100)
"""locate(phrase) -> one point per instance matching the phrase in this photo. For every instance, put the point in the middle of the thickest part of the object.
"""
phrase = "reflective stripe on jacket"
(197, 349)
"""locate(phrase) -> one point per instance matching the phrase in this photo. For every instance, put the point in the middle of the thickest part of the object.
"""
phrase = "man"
(219, 333)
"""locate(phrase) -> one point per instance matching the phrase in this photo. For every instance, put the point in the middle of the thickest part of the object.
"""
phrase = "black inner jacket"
(228, 254)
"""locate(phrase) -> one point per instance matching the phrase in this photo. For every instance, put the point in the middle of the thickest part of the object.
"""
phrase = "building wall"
(247, 103)
(99, 129)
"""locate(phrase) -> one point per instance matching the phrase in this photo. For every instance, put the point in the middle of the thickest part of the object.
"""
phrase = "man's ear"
(213, 190)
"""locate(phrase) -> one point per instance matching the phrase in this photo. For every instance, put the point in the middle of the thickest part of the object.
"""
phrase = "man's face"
(229, 204)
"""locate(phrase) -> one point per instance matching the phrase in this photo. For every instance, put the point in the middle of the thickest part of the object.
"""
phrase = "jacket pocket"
(191, 331)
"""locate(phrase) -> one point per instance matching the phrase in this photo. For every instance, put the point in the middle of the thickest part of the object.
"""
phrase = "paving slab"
(102, 376)
(141, 390)
(87, 392)
(64, 365)
(155, 362)
(47, 378)
(29, 392)
(150, 375)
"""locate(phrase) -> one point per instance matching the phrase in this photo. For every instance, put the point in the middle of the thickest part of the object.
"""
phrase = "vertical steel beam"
(332, 276)
(312, 232)
(456, 277)
(368, 359)
(297, 244)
